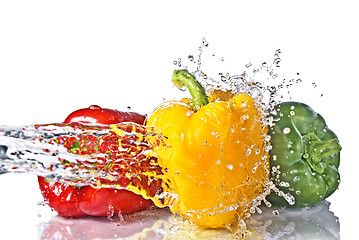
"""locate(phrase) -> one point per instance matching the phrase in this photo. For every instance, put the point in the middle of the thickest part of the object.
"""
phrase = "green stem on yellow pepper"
(182, 78)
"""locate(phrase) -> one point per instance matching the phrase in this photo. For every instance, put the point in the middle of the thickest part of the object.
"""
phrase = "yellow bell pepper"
(217, 164)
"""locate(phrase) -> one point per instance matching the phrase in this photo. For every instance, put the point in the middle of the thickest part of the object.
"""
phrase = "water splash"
(121, 155)
(118, 156)
(264, 84)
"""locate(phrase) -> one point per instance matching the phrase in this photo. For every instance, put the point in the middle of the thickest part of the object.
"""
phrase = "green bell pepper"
(304, 158)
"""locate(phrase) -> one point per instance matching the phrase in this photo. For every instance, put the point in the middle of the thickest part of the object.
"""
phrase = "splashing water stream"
(118, 155)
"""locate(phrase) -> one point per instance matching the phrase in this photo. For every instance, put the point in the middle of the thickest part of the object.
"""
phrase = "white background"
(58, 56)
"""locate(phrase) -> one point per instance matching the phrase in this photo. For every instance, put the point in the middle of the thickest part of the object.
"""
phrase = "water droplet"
(229, 166)
(94, 107)
(249, 151)
(111, 211)
(233, 129)
(191, 58)
(178, 62)
(268, 148)
(272, 89)
(296, 178)
(292, 113)
(248, 65)
(204, 42)
(275, 212)
(244, 117)
(215, 134)
(204, 143)
(289, 198)
(277, 58)
(120, 217)
(286, 130)
(284, 184)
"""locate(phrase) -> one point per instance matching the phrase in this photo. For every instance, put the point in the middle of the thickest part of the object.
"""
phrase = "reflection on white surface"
(317, 222)
(273, 223)
(131, 226)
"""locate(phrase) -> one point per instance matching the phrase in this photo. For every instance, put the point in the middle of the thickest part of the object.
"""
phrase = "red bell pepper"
(71, 201)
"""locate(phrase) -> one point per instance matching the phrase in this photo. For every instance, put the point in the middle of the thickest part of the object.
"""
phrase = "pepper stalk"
(182, 78)
(315, 150)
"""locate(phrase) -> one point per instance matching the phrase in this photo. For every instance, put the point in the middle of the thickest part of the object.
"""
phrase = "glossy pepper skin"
(307, 153)
(208, 164)
(71, 201)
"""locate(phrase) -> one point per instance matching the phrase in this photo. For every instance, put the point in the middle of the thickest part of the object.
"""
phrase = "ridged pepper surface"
(217, 164)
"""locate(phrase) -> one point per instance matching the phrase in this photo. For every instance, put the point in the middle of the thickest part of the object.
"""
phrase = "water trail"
(118, 155)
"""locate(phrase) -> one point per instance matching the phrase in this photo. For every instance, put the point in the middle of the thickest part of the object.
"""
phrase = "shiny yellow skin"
(209, 164)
